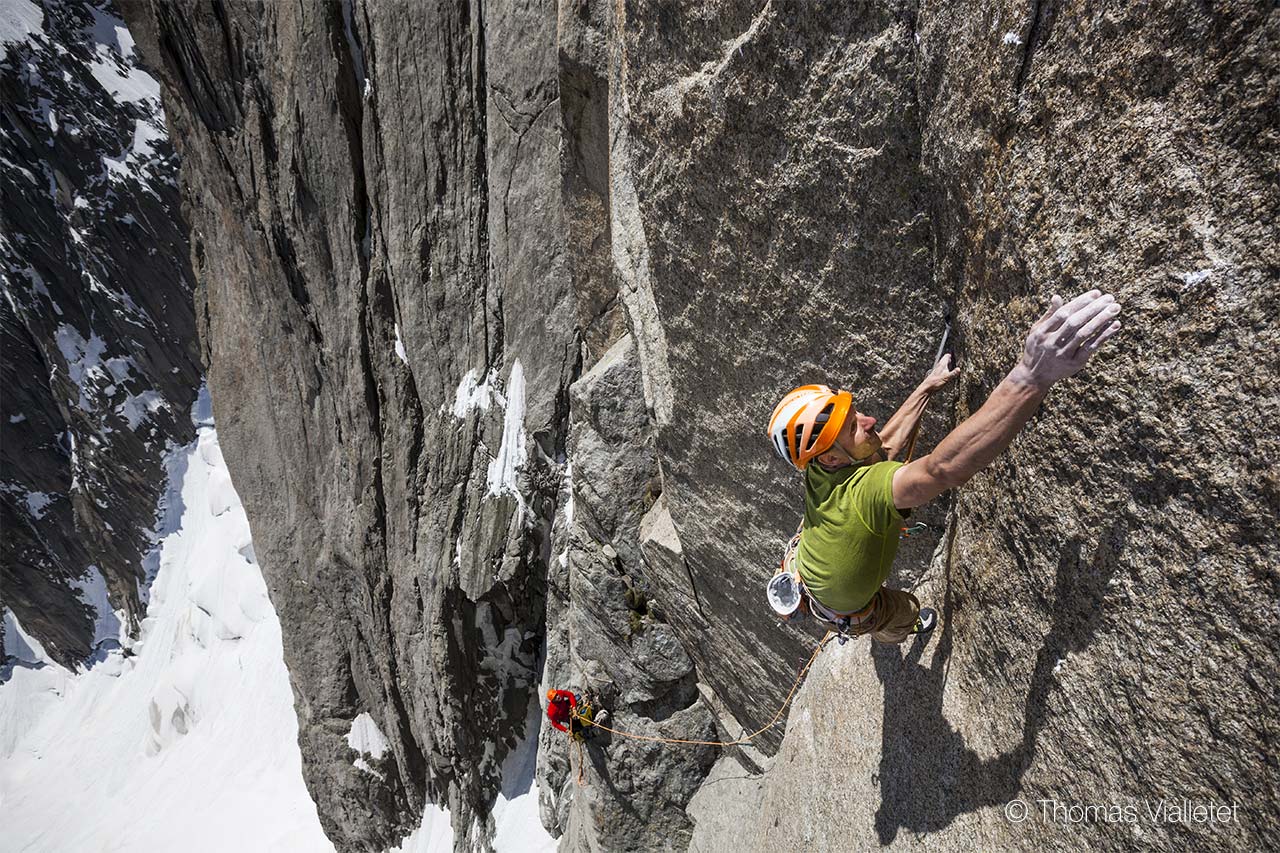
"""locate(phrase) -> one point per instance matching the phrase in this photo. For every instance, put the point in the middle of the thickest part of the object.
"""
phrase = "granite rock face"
(101, 363)
(1106, 586)
(374, 199)
(498, 299)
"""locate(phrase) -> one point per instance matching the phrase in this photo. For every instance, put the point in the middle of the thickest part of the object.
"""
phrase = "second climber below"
(573, 714)
(856, 495)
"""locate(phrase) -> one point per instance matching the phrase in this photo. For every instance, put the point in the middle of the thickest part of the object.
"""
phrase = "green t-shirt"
(850, 533)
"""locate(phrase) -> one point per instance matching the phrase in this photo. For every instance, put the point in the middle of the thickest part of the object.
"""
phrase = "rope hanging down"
(745, 738)
(581, 766)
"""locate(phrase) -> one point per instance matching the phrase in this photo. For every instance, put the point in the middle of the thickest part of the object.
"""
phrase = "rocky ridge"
(101, 365)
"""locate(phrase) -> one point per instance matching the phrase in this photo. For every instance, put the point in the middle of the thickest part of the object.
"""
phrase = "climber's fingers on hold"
(1066, 319)
(942, 372)
(1078, 312)
(1090, 347)
(1104, 312)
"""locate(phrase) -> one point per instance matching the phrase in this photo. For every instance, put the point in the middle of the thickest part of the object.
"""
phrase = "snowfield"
(186, 738)
(191, 742)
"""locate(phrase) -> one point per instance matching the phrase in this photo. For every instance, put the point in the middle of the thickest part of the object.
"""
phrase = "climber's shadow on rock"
(928, 775)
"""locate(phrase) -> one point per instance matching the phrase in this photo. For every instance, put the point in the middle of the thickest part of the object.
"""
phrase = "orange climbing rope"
(741, 740)
(581, 766)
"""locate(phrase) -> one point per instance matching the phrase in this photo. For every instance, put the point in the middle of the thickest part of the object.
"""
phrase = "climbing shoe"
(926, 621)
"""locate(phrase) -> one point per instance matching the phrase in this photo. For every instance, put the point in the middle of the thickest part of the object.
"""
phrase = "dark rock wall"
(606, 237)
(100, 360)
(610, 632)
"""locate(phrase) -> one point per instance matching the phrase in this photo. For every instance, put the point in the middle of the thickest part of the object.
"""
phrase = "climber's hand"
(940, 375)
(1063, 339)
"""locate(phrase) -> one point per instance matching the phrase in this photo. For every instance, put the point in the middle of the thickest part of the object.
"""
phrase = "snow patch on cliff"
(400, 353)
(367, 739)
(138, 407)
(110, 32)
(106, 621)
(83, 358)
(472, 394)
(112, 64)
(19, 20)
(433, 835)
(504, 466)
(137, 160)
(37, 502)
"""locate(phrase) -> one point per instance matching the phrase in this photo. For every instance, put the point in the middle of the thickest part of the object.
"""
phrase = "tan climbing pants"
(893, 618)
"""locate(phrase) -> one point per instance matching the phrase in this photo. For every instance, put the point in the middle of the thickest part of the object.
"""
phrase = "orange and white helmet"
(805, 424)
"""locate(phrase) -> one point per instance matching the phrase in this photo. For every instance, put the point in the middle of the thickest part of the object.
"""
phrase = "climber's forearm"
(972, 445)
(976, 442)
(897, 431)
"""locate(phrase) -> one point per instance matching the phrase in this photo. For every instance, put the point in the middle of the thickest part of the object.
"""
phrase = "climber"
(570, 714)
(857, 496)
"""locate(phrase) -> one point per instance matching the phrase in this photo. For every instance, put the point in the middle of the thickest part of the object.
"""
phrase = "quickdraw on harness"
(908, 532)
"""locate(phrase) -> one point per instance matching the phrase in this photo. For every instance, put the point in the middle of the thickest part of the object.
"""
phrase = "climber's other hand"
(1062, 340)
(941, 374)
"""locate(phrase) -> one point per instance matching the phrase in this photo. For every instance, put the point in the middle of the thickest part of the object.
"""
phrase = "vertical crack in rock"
(495, 341)
(1033, 37)
(372, 315)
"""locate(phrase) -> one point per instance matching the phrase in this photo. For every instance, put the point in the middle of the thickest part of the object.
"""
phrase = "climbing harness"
(581, 718)
(790, 599)
(788, 578)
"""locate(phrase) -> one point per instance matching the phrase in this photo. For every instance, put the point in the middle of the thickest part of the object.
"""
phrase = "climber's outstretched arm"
(1058, 345)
